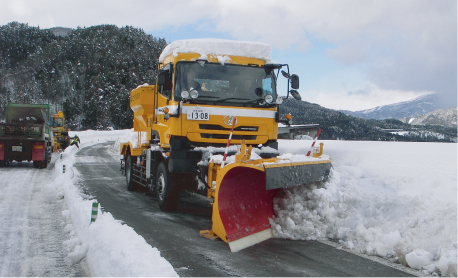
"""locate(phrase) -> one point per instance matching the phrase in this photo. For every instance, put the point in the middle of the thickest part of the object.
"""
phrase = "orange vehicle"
(211, 121)
(60, 131)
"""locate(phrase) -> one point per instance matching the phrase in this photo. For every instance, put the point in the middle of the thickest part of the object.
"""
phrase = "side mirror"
(295, 81)
(296, 94)
(161, 77)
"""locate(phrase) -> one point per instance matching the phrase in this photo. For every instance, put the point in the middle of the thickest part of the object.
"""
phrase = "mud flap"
(284, 175)
(38, 151)
(243, 207)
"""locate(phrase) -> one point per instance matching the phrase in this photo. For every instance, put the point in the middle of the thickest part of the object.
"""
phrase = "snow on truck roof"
(216, 47)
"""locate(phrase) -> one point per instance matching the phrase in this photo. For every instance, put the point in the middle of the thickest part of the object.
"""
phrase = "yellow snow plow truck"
(211, 120)
(60, 131)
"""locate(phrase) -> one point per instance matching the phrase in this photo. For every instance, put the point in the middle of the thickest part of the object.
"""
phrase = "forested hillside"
(87, 73)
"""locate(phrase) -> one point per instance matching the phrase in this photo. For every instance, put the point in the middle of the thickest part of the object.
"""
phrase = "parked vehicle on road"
(26, 135)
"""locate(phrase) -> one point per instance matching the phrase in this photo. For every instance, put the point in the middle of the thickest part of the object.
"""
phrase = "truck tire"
(50, 154)
(2, 163)
(47, 158)
(168, 193)
(132, 185)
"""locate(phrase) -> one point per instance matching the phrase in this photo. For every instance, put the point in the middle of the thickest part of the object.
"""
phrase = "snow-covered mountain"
(412, 108)
(443, 117)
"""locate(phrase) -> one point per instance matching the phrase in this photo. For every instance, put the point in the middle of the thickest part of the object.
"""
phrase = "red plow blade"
(244, 207)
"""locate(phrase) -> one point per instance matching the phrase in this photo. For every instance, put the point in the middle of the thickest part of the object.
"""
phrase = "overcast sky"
(349, 54)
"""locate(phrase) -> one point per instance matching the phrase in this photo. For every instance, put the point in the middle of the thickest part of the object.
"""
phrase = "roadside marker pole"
(314, 141)
(95, 209)
(228, 142)
(63, 168)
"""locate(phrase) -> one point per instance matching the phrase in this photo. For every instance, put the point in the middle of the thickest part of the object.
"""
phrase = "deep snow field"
(395, 200)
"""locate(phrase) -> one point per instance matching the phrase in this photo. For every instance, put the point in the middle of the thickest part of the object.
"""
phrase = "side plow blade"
(242, 207)
(291, 174)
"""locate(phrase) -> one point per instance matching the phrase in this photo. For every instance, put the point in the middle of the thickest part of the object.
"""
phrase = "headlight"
(184, 94)
(279, 100)
(268, 98)
(194, 94)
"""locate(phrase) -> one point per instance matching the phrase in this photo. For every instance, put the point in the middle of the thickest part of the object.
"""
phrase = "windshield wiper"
(231, 98)
(200, 98)
(208, 97)
(256, 101)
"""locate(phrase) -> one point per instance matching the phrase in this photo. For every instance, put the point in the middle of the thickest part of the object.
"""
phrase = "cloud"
(18, 8)
(366, 98)
(403, 46)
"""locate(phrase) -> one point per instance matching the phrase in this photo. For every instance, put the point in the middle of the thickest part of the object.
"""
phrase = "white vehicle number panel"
(17, 148)
(198, 114)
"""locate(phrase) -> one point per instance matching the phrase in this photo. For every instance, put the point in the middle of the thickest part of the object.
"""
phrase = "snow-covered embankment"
(107, 247)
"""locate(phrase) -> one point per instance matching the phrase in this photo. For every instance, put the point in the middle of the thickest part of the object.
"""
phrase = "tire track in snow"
(31, 224)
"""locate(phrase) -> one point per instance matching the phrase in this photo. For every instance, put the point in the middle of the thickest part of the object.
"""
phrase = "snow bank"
(108, 247)
(218, 48)
(389, 199)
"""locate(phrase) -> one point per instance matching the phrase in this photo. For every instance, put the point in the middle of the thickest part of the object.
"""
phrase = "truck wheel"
(47, 158)
(132, 185)
(50, 154)
(168, 194)
(44, 163)
(2, 163)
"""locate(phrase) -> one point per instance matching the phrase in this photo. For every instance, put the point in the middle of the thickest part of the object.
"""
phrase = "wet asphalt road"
(176, 235)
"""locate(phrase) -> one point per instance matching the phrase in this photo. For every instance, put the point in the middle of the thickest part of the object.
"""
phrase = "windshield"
(57, 122)
(220, 84)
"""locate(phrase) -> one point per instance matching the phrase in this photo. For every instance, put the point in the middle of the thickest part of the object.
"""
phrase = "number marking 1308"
(198, 114)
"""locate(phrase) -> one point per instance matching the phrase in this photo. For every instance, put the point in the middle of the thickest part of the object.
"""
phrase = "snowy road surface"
(32, 228)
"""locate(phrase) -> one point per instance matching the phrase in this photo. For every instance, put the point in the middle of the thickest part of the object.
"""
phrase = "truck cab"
(197, 96)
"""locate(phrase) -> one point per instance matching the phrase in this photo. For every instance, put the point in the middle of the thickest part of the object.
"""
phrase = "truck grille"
(218, 127)
(226, 136)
